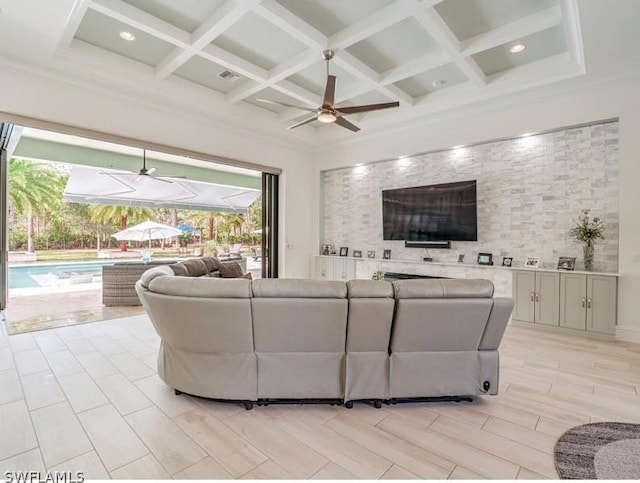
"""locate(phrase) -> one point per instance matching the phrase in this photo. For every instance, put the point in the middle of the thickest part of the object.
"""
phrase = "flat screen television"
(439, 212)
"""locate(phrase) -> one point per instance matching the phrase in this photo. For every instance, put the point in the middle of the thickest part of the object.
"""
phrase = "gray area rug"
(603, 451)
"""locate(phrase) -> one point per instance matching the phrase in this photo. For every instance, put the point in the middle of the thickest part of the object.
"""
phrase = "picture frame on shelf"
(485, 258)
(461, 258)
(357, 254)
(386, 255)
(567, 263)
(326, 249)
(532, 262)
(507, 261)
(371, 254)
(344, 251)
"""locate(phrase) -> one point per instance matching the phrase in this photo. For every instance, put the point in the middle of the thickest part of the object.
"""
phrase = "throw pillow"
(230, 270)
(195, 267)
(179, 269)
(211, 263)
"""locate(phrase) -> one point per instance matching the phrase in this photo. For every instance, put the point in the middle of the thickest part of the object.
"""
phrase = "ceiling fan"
(148, 172)
(328, 112)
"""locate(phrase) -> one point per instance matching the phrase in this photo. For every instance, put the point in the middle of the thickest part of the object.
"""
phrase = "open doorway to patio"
(67, 196)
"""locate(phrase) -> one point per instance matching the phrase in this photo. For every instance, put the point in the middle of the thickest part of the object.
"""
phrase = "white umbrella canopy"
(148, 230)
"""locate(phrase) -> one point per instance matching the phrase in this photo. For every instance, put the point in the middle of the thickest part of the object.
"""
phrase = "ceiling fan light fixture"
(127, 36)
(327, 117)
(516, 48)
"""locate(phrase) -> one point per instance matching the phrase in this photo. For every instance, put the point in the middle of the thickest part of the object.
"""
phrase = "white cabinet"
(570, 300)
(536, 296)
(335, 268)
(588, 302)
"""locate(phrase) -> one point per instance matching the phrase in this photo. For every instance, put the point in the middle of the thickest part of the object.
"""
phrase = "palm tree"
(112, 214)
(34, 189)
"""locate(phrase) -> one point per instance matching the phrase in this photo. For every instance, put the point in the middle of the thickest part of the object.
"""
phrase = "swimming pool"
(52, 274)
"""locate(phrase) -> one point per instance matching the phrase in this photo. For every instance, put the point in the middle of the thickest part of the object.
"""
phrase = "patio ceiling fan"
(148, 172)
(328, 112)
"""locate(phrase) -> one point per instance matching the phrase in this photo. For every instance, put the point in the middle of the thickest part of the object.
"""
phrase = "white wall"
(30, 95)
(487, 122)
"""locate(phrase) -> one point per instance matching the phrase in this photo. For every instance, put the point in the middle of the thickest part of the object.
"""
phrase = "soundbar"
(427, 244)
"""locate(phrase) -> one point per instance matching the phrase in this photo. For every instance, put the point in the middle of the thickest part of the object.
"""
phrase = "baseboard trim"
(628, 333)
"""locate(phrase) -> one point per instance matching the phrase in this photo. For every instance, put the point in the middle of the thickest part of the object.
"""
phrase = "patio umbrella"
(148, 230)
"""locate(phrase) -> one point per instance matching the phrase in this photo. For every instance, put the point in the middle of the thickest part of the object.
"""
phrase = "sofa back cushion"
(442, 288)
(371, 306)
(302, 288)
(299, 315)
(440, 315)
(201, 287)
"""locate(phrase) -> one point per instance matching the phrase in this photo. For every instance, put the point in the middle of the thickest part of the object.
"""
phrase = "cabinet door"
(325, 268)
(345, 269)
(524, 286)
(573, 301)
(547, 298)
(601, 303)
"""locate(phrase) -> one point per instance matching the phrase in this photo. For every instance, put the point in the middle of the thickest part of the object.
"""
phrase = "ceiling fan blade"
(171, 176)
(344, 123)
(306, 121)
(367, 107)
(329, 92)
(303, 108)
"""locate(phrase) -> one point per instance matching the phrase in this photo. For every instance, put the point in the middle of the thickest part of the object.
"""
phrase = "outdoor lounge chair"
(233, 254)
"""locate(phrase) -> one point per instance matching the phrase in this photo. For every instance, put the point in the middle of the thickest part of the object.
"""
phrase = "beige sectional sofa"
(275, 340)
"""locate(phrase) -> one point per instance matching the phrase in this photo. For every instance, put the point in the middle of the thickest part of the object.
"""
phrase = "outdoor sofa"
(283, 340)
(119, 279)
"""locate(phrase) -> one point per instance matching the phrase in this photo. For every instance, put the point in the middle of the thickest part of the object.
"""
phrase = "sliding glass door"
(270, 225)
(5, 135)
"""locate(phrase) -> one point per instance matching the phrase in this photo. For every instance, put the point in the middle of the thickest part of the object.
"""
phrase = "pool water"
(46, 274)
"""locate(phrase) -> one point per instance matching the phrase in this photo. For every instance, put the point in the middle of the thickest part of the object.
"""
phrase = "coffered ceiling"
(221, 55)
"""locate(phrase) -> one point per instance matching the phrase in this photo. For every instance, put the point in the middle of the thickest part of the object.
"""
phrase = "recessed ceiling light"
(438, 82)
(516, 48)
(127, 35)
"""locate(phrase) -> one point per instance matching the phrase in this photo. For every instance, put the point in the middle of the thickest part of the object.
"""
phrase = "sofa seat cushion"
(442, 288)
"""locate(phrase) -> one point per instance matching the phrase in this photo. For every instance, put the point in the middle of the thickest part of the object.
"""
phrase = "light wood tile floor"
(87, 398)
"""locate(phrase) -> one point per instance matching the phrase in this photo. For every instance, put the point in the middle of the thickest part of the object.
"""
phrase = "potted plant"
(377, 275)
(587, 231)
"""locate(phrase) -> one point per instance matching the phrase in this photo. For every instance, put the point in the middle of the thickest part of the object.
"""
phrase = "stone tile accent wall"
(530, 191)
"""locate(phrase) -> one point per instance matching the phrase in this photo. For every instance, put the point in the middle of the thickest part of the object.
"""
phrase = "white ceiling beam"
(528, 25)
(141, 20)
(370, 25)
(223, 18)
(572, 31)
(352, 64)
(77, 14)
(417, 66)
(233, 62)
(442, 34)
(296, 92)
(278, 73)
(291, 24)
(242, 92)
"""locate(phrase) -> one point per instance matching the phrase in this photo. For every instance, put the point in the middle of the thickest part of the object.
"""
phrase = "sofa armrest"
(497, 323)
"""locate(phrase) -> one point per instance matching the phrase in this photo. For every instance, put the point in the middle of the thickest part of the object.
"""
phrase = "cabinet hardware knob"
(532, 297)
(583, 302)
(323, 273)
(537, 297)
(589, 303)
